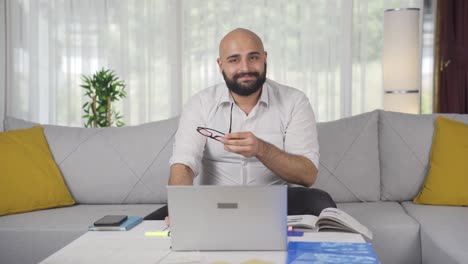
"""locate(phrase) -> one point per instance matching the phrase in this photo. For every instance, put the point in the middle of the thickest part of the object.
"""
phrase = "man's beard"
(245, 90)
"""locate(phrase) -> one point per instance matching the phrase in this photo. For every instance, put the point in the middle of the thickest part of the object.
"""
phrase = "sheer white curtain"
(2, 60)
(51, 43)
(166, 51)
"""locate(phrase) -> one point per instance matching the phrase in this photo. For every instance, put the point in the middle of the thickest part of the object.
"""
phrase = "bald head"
(242, 61)
(237, 38)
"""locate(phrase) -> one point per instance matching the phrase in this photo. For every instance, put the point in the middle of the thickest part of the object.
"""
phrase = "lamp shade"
(401, 60)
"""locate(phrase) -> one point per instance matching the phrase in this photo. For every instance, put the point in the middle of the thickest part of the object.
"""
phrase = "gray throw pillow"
(349, 158)
(405, 145)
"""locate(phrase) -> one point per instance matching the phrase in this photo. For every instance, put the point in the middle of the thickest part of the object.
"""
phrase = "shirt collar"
(225, 95)
(227, 98)
(264, 95)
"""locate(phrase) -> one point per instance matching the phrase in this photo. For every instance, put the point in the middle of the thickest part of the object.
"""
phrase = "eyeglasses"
(213, 133)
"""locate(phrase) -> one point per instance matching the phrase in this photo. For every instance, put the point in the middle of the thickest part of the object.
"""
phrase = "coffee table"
(134, 247)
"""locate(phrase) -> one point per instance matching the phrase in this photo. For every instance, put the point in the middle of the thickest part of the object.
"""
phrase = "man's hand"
(243, 143)
(291, 168)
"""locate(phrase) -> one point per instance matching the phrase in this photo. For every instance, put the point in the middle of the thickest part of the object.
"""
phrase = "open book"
(330, 219)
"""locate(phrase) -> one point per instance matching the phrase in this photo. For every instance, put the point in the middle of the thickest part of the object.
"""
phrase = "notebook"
(124, 226)
(228, 217)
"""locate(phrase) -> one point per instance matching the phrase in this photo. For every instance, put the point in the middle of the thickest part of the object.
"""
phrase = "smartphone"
(111, 220)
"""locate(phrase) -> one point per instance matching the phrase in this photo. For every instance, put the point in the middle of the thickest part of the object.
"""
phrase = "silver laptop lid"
(228, 217)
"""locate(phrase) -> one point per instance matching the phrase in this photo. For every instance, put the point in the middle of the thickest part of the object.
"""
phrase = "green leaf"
(101, 109)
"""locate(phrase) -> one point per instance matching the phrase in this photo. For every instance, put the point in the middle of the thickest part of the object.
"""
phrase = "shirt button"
(244, 163)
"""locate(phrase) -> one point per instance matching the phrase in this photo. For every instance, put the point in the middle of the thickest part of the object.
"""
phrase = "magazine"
(331, 252)
(330, 219)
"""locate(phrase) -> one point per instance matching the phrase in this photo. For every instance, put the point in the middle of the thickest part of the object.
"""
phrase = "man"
(270, 131)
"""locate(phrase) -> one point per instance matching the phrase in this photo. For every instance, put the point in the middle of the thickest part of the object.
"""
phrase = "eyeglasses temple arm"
(230, 118)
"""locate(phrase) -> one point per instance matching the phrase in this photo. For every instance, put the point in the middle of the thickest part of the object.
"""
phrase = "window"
(166, 51)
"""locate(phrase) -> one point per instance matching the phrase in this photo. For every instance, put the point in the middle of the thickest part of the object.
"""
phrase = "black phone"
(111, 220)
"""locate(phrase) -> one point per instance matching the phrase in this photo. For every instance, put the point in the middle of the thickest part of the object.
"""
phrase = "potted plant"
(103, 88)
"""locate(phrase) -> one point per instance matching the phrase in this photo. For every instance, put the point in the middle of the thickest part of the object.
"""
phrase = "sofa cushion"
(112, 165)
(30, 179)
(405, 143)
(447, 181)
(396, 234)
(349, 158)
(444, 232)
(31, 237)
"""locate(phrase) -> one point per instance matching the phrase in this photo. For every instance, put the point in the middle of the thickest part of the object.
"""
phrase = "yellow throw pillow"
(447, 181)
(29, 178)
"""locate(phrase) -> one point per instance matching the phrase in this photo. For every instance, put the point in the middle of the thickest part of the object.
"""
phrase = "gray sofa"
(372, 164)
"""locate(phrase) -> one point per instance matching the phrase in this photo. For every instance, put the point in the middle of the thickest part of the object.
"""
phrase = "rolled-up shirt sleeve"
(189, 144)
(301, 132)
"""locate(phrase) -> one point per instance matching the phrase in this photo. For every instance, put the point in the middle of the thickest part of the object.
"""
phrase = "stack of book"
(128, 224)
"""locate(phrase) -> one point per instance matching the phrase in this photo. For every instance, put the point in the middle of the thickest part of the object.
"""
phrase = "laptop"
(228, 217)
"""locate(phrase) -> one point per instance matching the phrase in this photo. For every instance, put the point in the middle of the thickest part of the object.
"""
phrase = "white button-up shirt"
(283, 117)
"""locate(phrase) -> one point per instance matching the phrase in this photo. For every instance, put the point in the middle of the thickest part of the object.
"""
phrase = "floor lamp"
(401, 60)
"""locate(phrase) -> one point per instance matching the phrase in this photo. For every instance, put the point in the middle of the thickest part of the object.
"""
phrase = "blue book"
(126, 225)
(331, 252)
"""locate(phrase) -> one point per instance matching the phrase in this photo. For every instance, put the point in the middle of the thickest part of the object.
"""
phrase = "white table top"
(134, 247)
